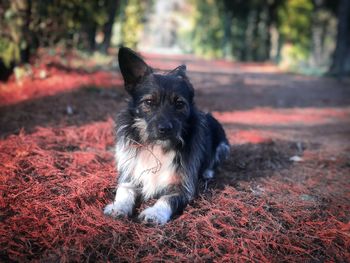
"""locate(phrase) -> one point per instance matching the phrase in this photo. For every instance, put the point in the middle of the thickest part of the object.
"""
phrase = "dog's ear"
(180, 71)
(132, 67)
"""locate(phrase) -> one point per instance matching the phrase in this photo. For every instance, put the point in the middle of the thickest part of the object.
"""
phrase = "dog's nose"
(164, 128)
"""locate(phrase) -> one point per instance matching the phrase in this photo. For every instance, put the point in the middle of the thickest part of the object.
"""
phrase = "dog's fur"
(164, 144)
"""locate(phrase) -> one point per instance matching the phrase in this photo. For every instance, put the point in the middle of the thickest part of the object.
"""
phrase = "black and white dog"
(164, 144)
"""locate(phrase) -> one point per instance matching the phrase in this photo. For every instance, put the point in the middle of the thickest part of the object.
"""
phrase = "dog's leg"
(124, 201)
(162, 211)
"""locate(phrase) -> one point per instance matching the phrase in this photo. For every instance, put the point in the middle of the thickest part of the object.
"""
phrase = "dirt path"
(283, 195)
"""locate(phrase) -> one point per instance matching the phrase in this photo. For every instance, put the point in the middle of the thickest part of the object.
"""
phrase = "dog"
(165, 145)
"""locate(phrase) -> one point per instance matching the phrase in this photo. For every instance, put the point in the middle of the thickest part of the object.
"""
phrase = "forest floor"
(282, 196)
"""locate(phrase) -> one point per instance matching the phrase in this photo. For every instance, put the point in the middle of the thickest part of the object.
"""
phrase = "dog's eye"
(179, 104)
(149, 102)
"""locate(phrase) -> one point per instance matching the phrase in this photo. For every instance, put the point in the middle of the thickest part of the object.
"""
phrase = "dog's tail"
(220, 146)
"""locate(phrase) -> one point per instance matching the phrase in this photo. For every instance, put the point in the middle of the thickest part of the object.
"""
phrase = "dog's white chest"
(153, 169)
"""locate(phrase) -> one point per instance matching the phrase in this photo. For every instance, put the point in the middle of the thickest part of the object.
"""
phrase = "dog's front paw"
(117, 211)
(158, 214)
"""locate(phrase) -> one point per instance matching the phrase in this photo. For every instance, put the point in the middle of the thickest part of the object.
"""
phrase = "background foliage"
(298, 34)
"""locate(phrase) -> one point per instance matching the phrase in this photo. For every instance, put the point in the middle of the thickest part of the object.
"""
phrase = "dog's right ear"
(132, 67)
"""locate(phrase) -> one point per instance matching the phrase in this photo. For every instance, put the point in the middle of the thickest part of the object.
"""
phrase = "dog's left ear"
(132, 67)
(180, 71)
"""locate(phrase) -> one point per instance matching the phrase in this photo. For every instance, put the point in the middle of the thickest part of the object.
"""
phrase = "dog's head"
(161, 104)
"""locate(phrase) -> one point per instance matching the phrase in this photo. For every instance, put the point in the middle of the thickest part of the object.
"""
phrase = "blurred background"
(303, 36)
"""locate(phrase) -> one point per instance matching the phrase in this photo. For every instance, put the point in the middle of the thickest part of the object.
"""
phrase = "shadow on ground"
(250, 162)
(225, 92)
(78, 107)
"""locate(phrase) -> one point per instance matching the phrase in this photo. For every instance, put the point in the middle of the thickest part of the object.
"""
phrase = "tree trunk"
(26, 33)
(256, 37)
(108, 26)
(5, 70)
(20, 28)
(341, 49)
(317, 34)
(271, 28)
(249, 35)
(227, 34)
(91, 36)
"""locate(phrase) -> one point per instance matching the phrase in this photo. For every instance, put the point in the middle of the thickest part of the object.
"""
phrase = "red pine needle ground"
(57, 171)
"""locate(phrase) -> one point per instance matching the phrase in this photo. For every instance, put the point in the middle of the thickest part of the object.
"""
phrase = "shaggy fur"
(164, 144)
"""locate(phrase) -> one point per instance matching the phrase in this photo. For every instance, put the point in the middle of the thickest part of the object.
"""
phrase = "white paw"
(159, 214)
(117, 210)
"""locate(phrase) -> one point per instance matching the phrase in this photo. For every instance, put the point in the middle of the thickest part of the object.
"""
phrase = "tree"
(28, 24)
(341, 53)
(15, 40)
(132, 21)
(112, 6)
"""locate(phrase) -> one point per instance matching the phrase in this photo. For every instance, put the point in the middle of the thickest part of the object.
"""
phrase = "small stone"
(69, 110)
(296, 158)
